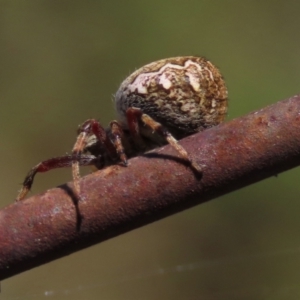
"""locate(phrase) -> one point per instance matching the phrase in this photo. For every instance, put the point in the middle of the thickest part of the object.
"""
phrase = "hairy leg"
(111, 143)
(135, 114)
(50, 164)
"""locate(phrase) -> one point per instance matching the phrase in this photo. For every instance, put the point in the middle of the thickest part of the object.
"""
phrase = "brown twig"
(118, 199)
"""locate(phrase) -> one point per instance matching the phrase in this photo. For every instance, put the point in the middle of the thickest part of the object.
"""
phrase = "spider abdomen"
(185, 94)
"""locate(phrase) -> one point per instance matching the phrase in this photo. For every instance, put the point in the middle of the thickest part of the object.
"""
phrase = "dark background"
(60, 64)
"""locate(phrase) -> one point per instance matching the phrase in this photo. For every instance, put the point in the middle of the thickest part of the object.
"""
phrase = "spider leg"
(111, 143)
(116, 136)
(85, 130)
(136, 114)
(50, 164)
(133, 116)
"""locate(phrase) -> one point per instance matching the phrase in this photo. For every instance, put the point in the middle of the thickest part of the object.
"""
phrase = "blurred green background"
(62, 61)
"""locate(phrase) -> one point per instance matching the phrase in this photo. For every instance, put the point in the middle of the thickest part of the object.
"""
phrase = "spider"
(157, 104)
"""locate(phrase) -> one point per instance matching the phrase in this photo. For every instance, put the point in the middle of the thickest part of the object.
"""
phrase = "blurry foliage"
(61, 62)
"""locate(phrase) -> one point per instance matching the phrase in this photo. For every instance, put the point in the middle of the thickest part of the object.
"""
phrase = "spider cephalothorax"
(157, 104)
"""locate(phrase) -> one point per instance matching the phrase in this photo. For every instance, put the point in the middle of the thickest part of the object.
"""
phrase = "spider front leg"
(134, 115)
(50, 164)
(112, 144)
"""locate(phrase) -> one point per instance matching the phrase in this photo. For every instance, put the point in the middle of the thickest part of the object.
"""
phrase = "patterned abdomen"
(185, 94)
